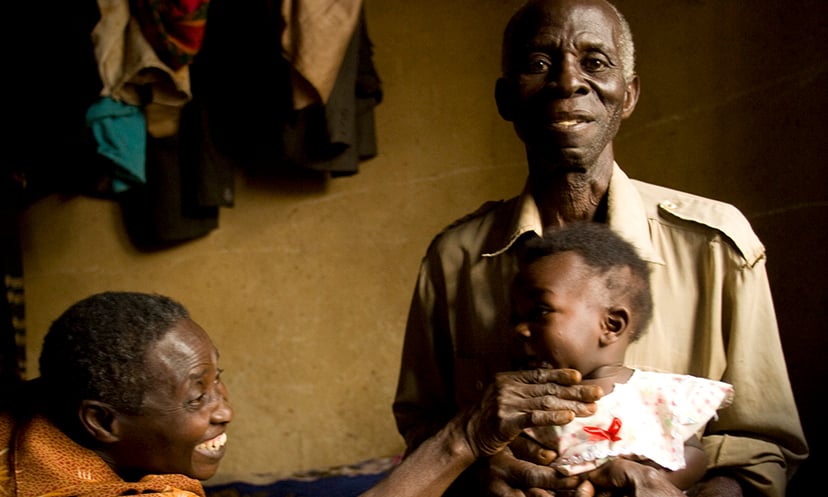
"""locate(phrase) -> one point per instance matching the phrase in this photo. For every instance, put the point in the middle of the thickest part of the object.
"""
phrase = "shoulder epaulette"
(721, 216)
(482, 210)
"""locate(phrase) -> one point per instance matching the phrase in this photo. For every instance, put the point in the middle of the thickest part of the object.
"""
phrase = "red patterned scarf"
(174, 28)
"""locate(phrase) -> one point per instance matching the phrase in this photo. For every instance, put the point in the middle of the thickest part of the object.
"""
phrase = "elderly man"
(568, 82)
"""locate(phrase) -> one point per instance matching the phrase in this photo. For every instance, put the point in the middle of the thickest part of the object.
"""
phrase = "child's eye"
(539, 312)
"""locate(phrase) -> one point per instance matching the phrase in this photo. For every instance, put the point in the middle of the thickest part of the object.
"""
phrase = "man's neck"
(571, 197)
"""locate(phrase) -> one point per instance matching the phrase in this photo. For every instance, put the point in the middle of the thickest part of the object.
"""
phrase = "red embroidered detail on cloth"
(611, 433)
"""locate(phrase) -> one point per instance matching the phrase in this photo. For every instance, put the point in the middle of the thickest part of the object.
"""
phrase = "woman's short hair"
(98, 347)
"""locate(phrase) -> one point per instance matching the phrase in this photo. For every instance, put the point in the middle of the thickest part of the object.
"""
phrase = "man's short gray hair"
(626, 47)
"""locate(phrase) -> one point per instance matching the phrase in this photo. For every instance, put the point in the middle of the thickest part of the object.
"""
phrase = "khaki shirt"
(713, 317)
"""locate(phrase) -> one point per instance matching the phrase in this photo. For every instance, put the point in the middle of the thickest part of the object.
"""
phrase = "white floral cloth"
(649, 417)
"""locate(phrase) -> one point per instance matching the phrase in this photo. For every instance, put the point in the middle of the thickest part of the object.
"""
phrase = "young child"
(581, 296)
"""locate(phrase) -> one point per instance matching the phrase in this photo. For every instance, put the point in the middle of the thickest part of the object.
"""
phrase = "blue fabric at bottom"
(327, 486)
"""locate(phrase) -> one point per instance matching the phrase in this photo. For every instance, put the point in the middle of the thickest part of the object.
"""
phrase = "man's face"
(182, 422)
(565, 90)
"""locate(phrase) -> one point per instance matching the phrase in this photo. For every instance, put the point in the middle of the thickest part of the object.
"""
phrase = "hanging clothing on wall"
(267, 120)
(144, 50)
(315, 40)
(132, 72)
(187, 182)
(334, 135)
(120, 132)
(174, 28)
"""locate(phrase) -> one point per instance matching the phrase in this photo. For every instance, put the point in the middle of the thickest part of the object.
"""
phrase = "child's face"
(558, 310)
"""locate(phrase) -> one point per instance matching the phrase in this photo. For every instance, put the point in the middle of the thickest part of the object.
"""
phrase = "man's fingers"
(557, 376)
(528, 449)
(499, 488)
(552, 407)
(496, 474)
(551, 411)
(635, 478)
(550, 385)
(531, 475)
(539, 492)
(583, 393)
(585, 489)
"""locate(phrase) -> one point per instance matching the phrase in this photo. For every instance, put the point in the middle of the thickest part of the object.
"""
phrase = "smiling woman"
(129, 400)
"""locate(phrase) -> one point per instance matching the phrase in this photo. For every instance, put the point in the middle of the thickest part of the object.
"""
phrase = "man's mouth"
(567, 124)
(214, 444)
(564, 119)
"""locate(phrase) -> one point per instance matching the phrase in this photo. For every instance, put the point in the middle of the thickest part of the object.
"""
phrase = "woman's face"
(185, 412)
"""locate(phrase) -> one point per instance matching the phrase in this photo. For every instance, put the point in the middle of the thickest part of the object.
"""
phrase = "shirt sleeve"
(423, 402)
(760, 434)
(714, 317)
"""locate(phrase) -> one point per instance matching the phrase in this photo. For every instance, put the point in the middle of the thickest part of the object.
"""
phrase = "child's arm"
(695, 465)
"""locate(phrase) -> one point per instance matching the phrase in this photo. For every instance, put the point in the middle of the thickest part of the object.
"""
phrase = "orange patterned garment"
(38, 460)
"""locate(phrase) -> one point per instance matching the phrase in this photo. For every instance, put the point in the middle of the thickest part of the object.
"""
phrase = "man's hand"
(520, 399)
(507, 476)
(631, 479)
(522, 469)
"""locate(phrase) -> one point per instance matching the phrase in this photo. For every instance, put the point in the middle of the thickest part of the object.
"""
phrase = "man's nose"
(568, 78)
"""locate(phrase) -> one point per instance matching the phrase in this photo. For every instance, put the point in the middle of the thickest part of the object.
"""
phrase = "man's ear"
(100, 420)
(631, 93)
(616, 324)
(505, 98)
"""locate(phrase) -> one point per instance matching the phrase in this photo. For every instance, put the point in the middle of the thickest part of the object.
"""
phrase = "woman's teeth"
(214, 444)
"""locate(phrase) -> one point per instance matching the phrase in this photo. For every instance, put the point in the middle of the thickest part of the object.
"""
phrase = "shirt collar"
(627, 216)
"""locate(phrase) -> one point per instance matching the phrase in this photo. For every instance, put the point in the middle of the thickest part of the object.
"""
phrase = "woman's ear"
(616, 324)
(505, 98)
(100, 420)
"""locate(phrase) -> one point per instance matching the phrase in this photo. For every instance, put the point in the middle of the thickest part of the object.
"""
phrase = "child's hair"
(603, 250)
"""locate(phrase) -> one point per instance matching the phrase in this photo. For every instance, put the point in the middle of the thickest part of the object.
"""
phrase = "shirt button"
(668, 205)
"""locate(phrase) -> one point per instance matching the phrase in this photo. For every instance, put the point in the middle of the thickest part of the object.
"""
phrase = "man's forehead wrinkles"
(584, 42)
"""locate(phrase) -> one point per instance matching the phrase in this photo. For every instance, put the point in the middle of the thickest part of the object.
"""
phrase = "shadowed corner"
(795, 239)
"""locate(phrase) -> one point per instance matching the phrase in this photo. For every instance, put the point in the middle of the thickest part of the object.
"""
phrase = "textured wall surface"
(305, 286)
